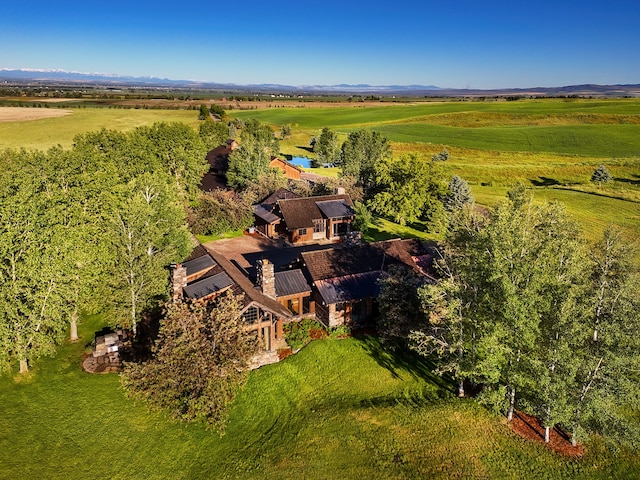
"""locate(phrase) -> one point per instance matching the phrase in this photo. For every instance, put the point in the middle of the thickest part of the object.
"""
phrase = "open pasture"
(43, 133)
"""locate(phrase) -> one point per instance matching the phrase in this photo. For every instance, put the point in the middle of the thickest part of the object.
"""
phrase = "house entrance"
(265, 336)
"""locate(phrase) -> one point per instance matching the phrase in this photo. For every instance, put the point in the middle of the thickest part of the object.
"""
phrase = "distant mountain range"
(50, 77)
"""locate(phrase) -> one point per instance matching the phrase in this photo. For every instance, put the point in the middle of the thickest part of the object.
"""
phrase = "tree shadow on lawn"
(396, 360)
(308, 149)
(545, 182)
(629, 180)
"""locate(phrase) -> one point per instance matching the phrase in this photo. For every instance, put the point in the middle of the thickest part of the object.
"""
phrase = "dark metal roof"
(301, 212)
(208, 285)
(291, 282)
(265, 214)
(378, 256)
(335, 208)
(198, 265)
(349, 287)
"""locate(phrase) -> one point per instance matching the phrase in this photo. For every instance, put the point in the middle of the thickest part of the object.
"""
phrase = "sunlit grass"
(338, 409)
(46, 133)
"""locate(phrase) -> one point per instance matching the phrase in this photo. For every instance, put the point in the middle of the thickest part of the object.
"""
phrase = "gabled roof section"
(280, 194)
(278, 160)
(222, 275)
(251, 293)
(301, 212)
(198, 265)
(350, 287)
(335, 208)
(291, 282)
(369, 257)
(207, 286)
(261, 212)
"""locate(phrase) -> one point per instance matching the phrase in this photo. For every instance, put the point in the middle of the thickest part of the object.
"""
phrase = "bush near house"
(298, 334)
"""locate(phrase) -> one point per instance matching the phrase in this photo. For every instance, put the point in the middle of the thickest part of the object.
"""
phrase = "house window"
(318, 226)
(340, 229)
(251, 315)
(302, 232)
(293, 305)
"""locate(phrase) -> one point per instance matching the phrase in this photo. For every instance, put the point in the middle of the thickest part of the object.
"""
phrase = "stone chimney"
(178, 281)
(266, 277)
(340, 191)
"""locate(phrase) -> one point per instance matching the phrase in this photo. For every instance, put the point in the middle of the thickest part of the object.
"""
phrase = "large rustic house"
(305, 219)
(265, 220)
(205, 275)
(345, 280)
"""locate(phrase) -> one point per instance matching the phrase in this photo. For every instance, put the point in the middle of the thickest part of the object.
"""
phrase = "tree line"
(90, 229)
(530, 315)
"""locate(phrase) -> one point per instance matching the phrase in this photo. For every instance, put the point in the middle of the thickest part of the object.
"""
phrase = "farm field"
(338, 409)
(44, 133)
(551, 144)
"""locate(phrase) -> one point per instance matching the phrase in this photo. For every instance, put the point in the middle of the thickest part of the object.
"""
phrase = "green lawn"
(338, 409)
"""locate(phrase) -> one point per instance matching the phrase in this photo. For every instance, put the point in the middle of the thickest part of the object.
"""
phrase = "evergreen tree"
(458, 196)
(601, 175)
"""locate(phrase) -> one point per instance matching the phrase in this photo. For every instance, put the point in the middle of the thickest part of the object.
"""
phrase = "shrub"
(341, 331)
(298, 334)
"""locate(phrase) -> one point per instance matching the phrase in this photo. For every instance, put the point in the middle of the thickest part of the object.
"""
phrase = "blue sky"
(456, 44)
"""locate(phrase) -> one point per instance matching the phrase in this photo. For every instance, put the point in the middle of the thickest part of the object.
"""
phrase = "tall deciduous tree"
(408, 189)
(607, 382)
(400, 310)
(33, 310)
(199, 362)
(251, 159)
(148, 232)
(327, 146)
(178, 151)
(361, 152)
(213, 133)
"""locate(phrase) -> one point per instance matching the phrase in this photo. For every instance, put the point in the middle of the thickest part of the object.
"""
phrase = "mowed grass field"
(338, 409)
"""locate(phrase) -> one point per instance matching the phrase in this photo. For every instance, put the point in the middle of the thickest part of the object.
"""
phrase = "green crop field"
(48, 132)
(551, 144)
(338, 409)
